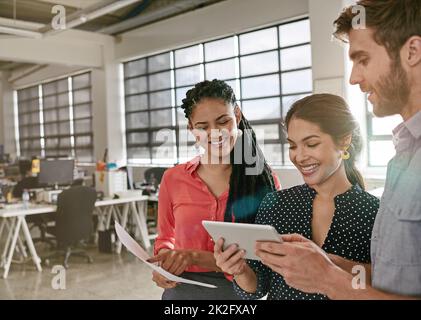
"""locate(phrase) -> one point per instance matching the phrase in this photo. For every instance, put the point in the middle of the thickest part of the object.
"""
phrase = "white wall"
(328, 63)
(1, 110)
(114, 96)
(21, 78)
(99, 121)
(7, 132)
(70, 47)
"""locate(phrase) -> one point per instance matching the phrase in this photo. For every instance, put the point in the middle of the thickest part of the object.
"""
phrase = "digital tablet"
(243, 234)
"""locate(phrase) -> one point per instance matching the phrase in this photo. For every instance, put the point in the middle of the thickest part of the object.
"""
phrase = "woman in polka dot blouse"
(331, 208)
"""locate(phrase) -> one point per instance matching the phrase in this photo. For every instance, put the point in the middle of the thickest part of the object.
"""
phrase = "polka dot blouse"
(290, 211)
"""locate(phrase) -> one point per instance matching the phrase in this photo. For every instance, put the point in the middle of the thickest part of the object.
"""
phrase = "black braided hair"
(246, 190)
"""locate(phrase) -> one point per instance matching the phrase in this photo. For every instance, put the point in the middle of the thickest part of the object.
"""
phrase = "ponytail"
(353, 174)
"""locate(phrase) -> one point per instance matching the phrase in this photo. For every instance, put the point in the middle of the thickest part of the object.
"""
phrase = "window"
(29, 121)
(55, 119)
(81, 113)
(268, 69)
(379, 134)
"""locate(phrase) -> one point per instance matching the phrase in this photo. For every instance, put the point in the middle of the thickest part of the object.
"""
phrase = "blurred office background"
(85, 107)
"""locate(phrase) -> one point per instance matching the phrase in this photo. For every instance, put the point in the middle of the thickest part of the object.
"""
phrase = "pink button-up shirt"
(184, 202)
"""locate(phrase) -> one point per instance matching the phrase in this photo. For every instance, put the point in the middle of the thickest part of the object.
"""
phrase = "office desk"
(136, 205)
(14, 220)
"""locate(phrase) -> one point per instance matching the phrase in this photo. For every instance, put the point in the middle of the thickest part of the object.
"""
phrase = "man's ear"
(237, 113)
(412, 51)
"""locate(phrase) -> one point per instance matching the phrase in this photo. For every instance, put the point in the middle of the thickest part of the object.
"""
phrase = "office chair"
(25, 183)
(73, 222)
(39, 221)
(154, 175)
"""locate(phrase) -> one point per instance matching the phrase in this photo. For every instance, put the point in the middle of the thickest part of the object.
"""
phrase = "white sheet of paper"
(138, 251)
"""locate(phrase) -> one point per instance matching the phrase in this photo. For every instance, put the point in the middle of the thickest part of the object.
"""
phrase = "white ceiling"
(80, 4)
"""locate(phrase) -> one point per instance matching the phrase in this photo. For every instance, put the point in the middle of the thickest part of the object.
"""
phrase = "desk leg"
(123, 225)
(21, 248)
(109, 215)
(2, 227)
(141, 222)
(12, 247)
(9, 225)
(3, 223)
(101, 219)
(115, 214)
(117, 211)
(30, 243)
(98, 213)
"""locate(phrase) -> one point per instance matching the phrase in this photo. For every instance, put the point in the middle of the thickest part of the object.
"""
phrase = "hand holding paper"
(138, 251)
(174, 261)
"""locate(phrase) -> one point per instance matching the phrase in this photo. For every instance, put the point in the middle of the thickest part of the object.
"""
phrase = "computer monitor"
(12, 171)
(56, 172)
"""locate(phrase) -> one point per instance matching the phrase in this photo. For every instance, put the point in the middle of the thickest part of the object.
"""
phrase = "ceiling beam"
(72, 48)
(24, 72)
(21, 32)
(34, 26)
(164, 12)
(90, 13)
(7, 65)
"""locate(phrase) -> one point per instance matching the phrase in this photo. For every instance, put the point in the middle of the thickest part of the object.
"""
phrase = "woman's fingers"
(167, 263)
(178, 262)
(229, 259)
(181, 268)
(294, 237)
(157, 258)
(240, 267)
(235, 262)
(217, 249)
(231, 250)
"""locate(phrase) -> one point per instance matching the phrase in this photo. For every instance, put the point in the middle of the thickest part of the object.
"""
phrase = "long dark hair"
(333, 116)
(246, 190)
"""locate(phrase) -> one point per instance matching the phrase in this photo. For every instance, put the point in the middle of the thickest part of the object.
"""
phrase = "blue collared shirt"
(396, 238)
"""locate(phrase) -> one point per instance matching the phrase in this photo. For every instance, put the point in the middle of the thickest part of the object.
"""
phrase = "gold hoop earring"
(345, 155)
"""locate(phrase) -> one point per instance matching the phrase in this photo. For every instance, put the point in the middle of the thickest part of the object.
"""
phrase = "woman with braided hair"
(226, 183)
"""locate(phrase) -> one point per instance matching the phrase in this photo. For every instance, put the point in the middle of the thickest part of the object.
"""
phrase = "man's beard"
(393, 91)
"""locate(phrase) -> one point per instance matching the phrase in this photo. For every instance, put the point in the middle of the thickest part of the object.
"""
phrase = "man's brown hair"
(393, 22)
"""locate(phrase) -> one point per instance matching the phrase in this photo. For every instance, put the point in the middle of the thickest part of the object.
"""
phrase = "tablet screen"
(243, 234)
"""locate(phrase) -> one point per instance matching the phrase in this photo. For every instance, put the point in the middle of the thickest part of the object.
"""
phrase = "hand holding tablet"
(243, 234)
